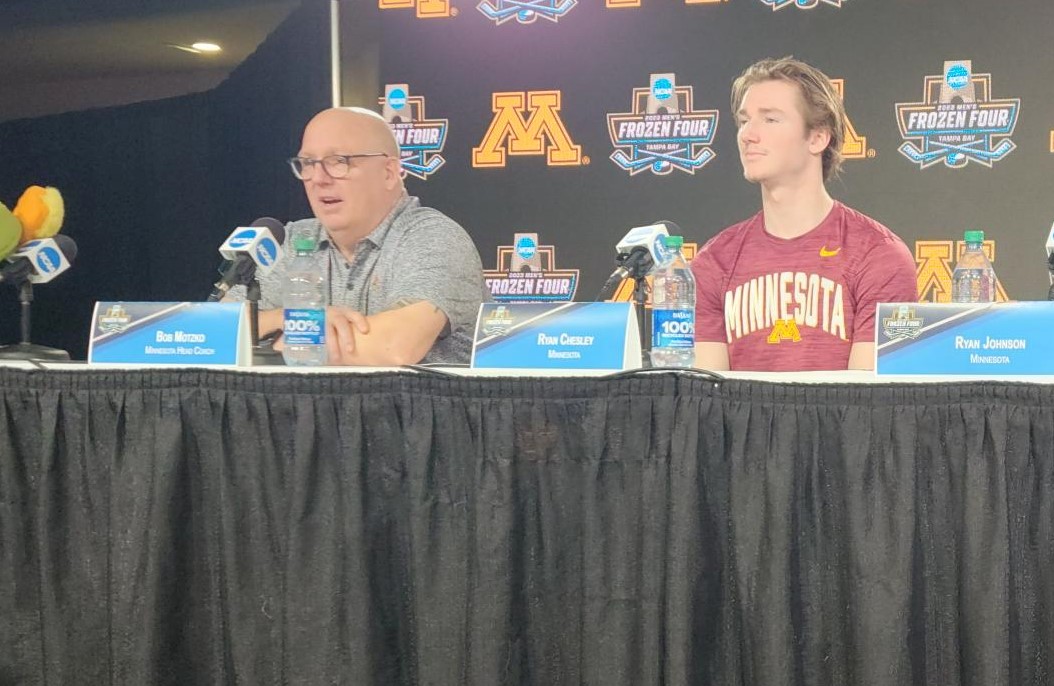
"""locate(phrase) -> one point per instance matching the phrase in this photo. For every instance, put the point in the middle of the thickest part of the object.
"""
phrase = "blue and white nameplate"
(170, 333)
(572, 336)
(990, 339)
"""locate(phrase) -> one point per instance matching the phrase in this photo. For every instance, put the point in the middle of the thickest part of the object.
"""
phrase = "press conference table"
(275, 526)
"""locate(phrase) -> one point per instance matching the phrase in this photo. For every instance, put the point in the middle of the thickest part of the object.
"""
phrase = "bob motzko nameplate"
(983, 339)
(187, 333)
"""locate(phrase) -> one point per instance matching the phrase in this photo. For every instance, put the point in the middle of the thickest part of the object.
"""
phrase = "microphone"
(1050, 262)
(249, 249)
(638, 251)
(39, 261)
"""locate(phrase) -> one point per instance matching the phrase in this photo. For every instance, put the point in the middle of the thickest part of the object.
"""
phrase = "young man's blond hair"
(821, 105)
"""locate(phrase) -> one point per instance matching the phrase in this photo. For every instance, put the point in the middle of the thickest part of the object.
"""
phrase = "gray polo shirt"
(416, 253)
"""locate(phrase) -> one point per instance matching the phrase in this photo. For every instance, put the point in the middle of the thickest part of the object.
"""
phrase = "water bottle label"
(304, 326)
(672, 328)
(972, 285)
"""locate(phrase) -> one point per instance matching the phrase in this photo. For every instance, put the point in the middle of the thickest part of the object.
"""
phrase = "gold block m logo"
(540, 131)
(425, 8)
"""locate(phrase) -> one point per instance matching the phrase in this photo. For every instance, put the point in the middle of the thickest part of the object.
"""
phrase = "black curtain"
(152, 189)
(201, 527)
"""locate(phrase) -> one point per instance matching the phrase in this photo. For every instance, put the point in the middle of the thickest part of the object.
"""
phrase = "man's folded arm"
(398, 336)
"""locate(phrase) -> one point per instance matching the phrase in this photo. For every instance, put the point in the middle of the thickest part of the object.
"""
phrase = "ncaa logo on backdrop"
(420, 139)
(958, 121)
(540, 131)
(525, 11)
(425, 9)
(526, 273)
(663, 132)
(801, 4)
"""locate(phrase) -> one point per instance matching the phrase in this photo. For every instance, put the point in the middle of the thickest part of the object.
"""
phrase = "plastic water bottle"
(304, 305)
(973, 280)
(673, 311)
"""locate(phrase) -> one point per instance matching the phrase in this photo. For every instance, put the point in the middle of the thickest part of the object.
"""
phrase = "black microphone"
(248, 250)
(637, 252)
(39, 261)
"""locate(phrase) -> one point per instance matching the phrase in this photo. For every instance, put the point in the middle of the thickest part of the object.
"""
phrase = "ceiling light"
(184, 48)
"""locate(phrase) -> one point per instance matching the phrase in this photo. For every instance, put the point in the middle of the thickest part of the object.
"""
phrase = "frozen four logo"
(115, 319)
(525, 11)
(958, 121)
(526, 272)
(801, 4)
(902, 323)
(663, 132)
(420, 139)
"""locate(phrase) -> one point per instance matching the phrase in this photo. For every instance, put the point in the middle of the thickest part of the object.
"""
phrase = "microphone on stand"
(248, 250)
(638, 251)
(38, 261)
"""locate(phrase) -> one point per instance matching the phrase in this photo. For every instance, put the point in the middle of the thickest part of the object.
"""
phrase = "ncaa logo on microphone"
(48, 260)
(241, 239)
(266, 252)
(660, 249)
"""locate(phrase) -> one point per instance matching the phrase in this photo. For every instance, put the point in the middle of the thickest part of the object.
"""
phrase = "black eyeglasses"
(337, 166)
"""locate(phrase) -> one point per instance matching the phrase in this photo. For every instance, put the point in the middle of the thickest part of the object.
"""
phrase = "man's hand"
(342, 323)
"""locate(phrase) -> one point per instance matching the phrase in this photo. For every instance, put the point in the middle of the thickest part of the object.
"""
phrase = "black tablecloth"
(202, 527)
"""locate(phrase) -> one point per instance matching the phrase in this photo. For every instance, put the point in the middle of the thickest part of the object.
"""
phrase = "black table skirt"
(202, 527)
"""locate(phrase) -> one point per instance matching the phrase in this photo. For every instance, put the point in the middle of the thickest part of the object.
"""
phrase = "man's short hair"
(822, 106)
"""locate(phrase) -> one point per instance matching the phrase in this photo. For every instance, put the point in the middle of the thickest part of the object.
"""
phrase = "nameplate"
(573, 336)
(991, 339)
(170, 333)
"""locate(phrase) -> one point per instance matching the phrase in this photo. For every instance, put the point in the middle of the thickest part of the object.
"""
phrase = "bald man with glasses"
(404, 282)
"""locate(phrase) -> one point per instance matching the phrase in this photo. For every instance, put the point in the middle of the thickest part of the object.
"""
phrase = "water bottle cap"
(974, 236)
(304, 244)
(674, 242)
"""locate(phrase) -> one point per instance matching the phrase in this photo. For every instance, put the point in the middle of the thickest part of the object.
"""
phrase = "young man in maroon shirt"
(794, 287)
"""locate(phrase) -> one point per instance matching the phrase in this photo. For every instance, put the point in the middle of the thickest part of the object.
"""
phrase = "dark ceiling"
(63, 41)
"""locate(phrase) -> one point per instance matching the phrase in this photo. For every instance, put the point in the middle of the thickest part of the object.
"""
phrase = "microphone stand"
(25, 350)
(640, 299)
(264, 354)
(637, 270)
(1050, 268)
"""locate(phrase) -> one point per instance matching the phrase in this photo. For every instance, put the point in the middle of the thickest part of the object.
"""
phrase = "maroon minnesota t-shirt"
(798, 304)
